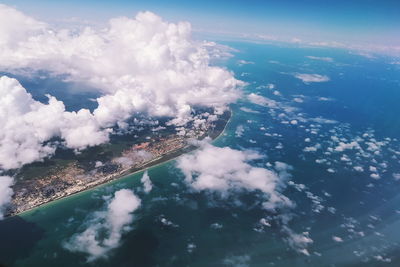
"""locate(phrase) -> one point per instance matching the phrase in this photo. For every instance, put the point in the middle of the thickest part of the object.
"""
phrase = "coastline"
(173, 155)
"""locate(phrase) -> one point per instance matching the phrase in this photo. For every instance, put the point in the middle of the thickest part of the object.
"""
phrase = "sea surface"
(340, 135)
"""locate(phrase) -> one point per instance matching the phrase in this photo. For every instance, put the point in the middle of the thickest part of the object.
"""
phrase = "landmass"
(62, 180)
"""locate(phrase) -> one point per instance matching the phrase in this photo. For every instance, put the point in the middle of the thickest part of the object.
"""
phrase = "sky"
(367, 23)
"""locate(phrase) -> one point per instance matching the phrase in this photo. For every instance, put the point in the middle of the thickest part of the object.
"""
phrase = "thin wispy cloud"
(311, 78)
(327, 59)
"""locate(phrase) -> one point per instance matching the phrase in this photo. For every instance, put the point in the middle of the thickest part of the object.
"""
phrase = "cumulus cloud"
(311, 78)
(15, 26)
(145, 64)
(226, 171)
(344, 146)
(140, 64)
(5, 193)
(239, 131)
(299, 242)
(27, 124)
(147, 184)
(105, 228)
(337, 239)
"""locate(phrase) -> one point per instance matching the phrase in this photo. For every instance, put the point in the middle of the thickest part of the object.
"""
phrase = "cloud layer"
(141, 65)
(105, 229)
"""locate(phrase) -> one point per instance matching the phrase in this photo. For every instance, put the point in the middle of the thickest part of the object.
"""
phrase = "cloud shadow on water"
(138, 249)
(18, 238)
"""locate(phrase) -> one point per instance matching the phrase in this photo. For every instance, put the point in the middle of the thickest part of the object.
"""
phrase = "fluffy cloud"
(106, 227)
(239, 131)
(311, 78)
(27, 125)
(142, 65)
(147, 184)
(5, 193)
(226, 171)
(337, 239)
(15, 26)
(299, 242)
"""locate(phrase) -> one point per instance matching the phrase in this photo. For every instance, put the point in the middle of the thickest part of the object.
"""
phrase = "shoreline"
(124, 174)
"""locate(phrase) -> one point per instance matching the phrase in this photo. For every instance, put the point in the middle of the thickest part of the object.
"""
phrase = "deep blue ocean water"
(359, 103)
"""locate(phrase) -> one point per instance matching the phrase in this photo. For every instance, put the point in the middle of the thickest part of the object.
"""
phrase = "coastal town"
(64, 181)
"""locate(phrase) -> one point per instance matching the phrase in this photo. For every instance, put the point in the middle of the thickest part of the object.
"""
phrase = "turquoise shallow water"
(361, 103)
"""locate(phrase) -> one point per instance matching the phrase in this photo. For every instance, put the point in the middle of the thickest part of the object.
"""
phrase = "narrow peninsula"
(70, 173)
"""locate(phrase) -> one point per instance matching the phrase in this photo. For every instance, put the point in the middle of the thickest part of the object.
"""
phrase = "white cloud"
(15, 26)
(358, 168)
(147, 184)
(269, 86)
(298, 242)
(248, 110)
(165, 222)
(344, 146)
(239, 131)
(373, 169)
(382, 258)
(216, 226)
(312, 148)
(323, 121)
(375, 176)
(327, 59)
(266, 37)
(105, 229)
(244, 62)
(5, 193)
(191, 247)
(296, 40)
(298, 100)
(262, 101)
(27, 124)
(331, 170)
(226, 171)
(145, 64)
(337, 239)
(311, 78)
(140, 65)
(325, 99)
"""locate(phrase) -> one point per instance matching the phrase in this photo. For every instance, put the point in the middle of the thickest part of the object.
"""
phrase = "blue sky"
(358, 22)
